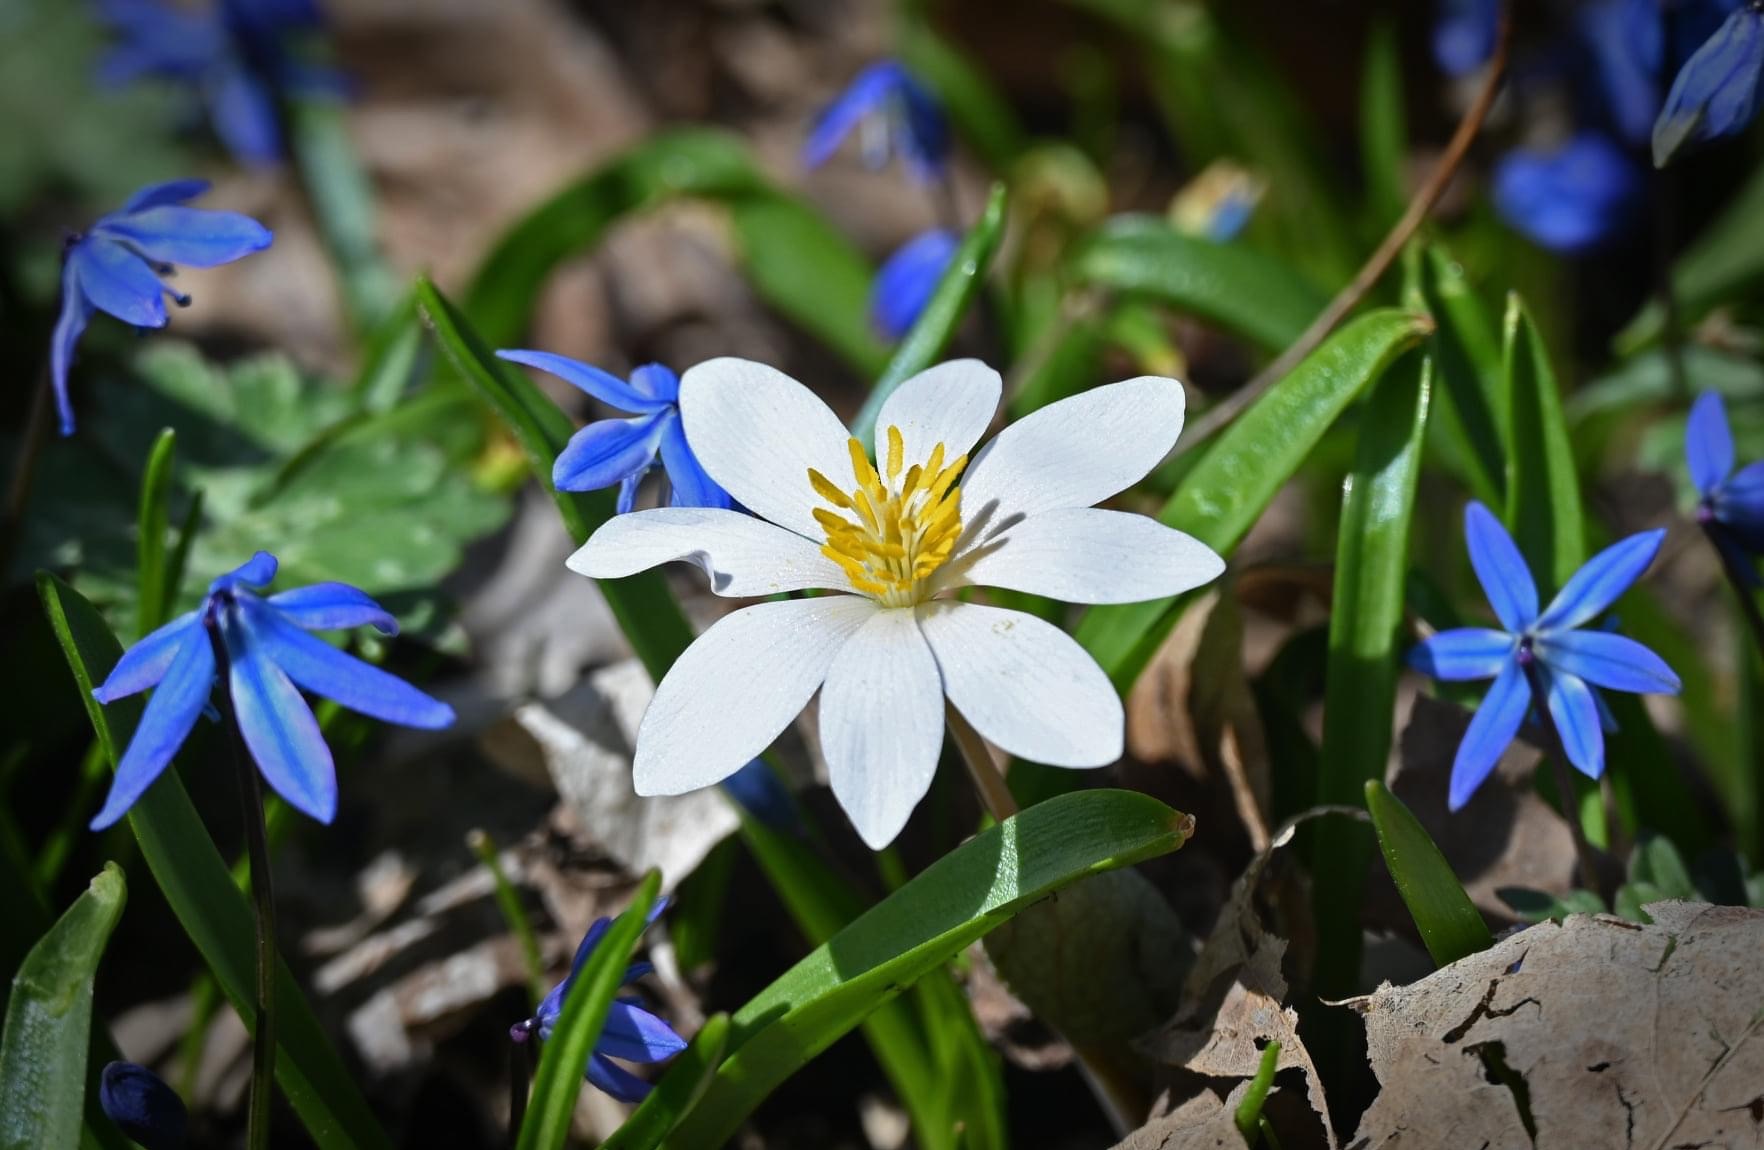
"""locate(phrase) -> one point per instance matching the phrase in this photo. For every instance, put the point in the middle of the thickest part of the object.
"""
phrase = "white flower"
(896, 541)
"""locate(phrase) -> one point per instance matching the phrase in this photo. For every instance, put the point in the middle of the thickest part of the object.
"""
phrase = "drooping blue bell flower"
(1716, 92)
(893, 114)
(1570, 199)
(763, 795)
(1730, 505)
(270, 657)
(115, 266)
(1570, 662)
(631, 1033)
(623, 451)
(144, 1108)
(1464, 34)
(908, 279)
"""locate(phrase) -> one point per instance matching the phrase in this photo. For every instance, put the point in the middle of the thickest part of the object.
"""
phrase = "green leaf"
(1450, 924)
(153, 600)
(342, 200)
(1657, 862)
(214, 913)
(1241, 290)
(1543, 490)
(49, 1021)
(949, 905)
(1540, 906)
(1467, 360)
(687, 1079)
(1365, 621)
(981, 114)
(806, 269)
(1249, 1110)
(1384, 133)
(1247, 466)
(936, 325)
(1725, 260)
(564, 1058)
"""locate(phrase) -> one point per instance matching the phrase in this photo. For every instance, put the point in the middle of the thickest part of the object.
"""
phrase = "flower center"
(897, 528)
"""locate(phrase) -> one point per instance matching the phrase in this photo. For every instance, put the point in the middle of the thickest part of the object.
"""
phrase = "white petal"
(1024, 684)
(737, 687)
(882, 724)
(1088, 555)
(742, 555)
(1074, 453)
(757, 432)
(951, 404)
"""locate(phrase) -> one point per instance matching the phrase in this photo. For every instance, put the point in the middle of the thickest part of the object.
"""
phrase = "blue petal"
(144, 1108)
(627, 501)
(693, 486)
(1464, 35)
(165, 724)
(602, 385)
(763, 795)
(332, 606)
(1597, 585)
(1624, 37)
(868, 94)
(1491, 729)
(193, 237)
(257, 571)
(333, 674)
(243, 110)
(613, 1079)
(158, 195)
(605, 452)
(146, 663)
(1740, 502)
(907, 281)
(1606, 660)
(1568, 200)
(1576, 714)
(1465, 653)
(1716, 92)
(1500, 569)
(76, 312)
(657, 382)
(118, 281)
(278, 726)
(1708, 444)
(636, 1035)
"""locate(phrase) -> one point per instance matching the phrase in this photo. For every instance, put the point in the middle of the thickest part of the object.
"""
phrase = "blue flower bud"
(1716, 92)
(143, 1107)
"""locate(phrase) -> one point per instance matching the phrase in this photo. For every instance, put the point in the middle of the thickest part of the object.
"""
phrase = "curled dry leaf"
(1592, 1032)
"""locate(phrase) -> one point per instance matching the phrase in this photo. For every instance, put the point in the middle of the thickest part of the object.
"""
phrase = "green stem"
(509, 902)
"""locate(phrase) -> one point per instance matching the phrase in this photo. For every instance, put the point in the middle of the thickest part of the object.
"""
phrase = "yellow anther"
(896, 449)
(825, 489)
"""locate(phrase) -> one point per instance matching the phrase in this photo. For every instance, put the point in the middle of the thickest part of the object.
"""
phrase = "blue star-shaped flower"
(270, 656)
(1716, 92)
(907, 279)
(893, 112)
(1571, 199)
(622, 451)
(1731, 504)
(1568, 663)
(233, 55)
(631, 1032)
(1464, 34)
(144, 1108)
(116, 266)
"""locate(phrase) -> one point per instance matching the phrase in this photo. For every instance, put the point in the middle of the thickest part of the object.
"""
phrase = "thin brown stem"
(1346, 300)
(1000, 803)
(24, 468)
(1558, 757)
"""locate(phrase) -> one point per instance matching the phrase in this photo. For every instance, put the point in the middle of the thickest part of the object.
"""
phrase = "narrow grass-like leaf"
(1543, 491)
(154, 517)
(564, 1059)
(342, 199)
(1384, 133)
(1249, 1108)
(1243, 291)
(1472, 404)
(936, 325)
(1727, 258)
(514, 915)
(688, 1077)
(200, 892)
(1449, 922)
(1242, 472)
(982, 116)
(49, 1021)
(1365, 618)
(953, 902)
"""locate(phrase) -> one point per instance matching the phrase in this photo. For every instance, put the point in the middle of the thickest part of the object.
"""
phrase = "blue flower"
(1571, 199)
(116, 266)
(622, 451)
(1731, 504)
(1464, 34)
(908, 279)
(1567, 663)
(763, 795)
(270, 657)
(631, 1032)
(145, 1109)
(893, 113)
(1716, 92)
(233, 54)
(1626, 41)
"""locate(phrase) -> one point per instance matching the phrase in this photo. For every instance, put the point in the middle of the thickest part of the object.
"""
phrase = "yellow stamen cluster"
(898, 529)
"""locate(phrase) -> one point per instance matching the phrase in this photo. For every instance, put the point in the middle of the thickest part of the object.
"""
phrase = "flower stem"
(988, 780)
(263, 1035)
(24, 468)
(520, 1073)
(1558, 757)
(1742, 590)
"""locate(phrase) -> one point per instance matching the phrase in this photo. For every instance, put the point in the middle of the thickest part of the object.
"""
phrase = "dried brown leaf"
(1201, 1123)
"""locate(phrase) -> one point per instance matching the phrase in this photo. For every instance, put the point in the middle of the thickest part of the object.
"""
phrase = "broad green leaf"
(1725, 260)
(688, 1077)
(1365, 620)
(1543, 491)
(49, 1021)
(1450, 925)
(1384, 131)
(1240, 289)
(1656, 861)
(982, 116)
(563, 1060)
(214, 913)
(152, 599)
(1245, 468)
(937, 324)
(1472, 407)
(949, 905)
